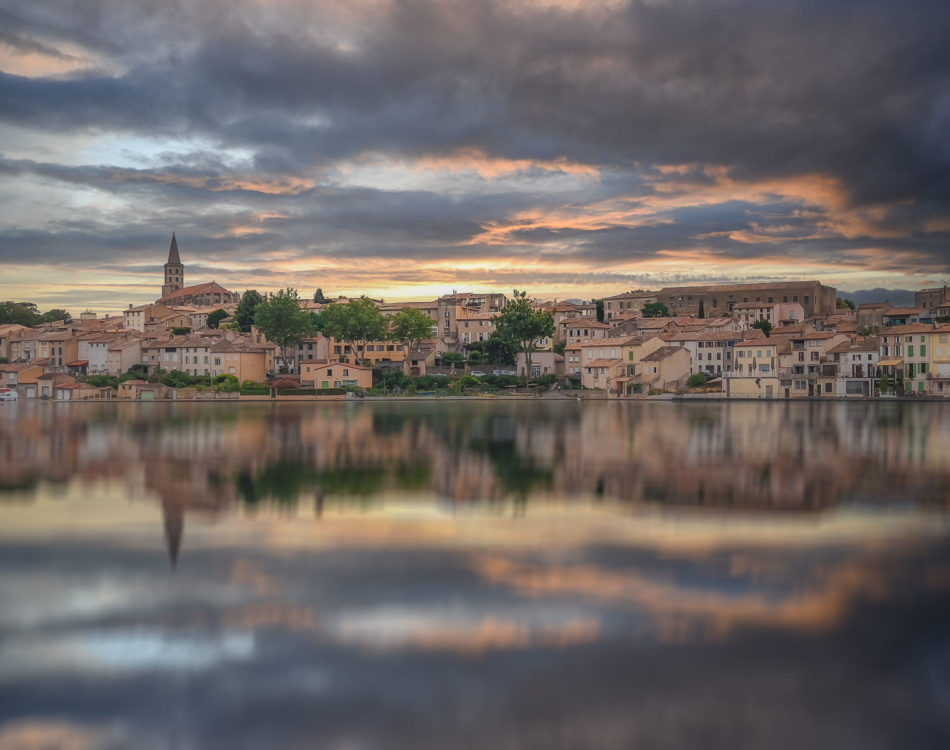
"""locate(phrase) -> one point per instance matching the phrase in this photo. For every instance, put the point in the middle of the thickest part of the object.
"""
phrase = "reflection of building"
(782, 456)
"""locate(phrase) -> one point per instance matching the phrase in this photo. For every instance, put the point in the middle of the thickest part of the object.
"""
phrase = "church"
(174, 291)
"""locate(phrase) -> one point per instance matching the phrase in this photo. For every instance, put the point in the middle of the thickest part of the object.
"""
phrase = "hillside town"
(778, 340)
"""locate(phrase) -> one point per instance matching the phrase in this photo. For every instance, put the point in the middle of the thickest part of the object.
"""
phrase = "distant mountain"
(897, 297)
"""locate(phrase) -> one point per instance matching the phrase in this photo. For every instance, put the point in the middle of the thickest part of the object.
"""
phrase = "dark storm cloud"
(855, 92)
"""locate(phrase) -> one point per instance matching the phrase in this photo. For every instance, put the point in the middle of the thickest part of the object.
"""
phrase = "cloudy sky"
(403, 148)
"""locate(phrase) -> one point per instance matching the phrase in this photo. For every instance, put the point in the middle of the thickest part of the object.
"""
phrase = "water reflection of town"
(196, 457)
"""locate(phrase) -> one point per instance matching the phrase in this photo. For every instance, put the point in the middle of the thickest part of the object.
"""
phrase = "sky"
(406, 148)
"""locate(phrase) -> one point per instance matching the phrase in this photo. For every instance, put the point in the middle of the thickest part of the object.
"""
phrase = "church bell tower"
(174, 270)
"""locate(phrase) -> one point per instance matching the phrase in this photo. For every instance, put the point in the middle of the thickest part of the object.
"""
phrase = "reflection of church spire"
(174, 516)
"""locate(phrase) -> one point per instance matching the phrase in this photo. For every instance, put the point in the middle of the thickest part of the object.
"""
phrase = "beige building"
(335, 374)
(775, 313)
(664, 369)
(137, 318)
(542, 363)
(627, 304)
(122, 355)
(582, 330)
(755, 374)
(243, 361)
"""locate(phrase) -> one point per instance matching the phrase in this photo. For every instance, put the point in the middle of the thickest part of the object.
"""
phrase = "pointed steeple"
(173, 258)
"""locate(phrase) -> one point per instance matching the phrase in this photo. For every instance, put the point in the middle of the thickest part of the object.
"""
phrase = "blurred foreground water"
(478, 574)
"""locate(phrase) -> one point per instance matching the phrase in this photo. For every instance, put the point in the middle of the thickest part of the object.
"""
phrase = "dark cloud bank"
(767, 91)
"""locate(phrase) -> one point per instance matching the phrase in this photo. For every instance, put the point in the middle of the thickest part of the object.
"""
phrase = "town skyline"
(405, 148)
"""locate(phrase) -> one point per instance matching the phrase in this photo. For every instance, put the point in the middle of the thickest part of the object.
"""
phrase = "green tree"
(355, 323)
(764, 326)
(655, 310)
(500, 349)
(21, 313)
(410, 326)
(247, 308)
(215, 318)
(521, 324)
(51, 316)
(281, 319)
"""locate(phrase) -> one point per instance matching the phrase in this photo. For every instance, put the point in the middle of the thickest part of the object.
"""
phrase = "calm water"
(486, 574)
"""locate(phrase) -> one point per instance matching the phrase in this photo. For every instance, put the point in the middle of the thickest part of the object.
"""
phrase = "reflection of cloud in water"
(464, 630)
(681, 611)
(121, 652)
(35, 734)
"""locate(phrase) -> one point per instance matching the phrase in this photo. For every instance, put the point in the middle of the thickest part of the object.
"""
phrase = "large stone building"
(716, 299)
(174, 291)
(932, 298)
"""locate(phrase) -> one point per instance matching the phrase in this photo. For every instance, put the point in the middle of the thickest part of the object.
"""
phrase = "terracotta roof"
(188, 291)
(898, 312)
(662, 353)
(869, 344)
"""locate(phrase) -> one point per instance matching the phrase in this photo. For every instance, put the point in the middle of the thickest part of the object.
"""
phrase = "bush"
(102, 381)
(453, 358)
(176, 379)
(228, 384)
(697, 380)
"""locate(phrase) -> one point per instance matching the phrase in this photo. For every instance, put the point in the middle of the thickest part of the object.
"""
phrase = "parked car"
(8, 394)
(478, 374)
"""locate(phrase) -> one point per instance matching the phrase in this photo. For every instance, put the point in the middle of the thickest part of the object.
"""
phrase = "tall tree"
(215, 318)
(247, 308)
(355, 323)
(281, 319)
(520, 323)
(410, 326)
(764, 326)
